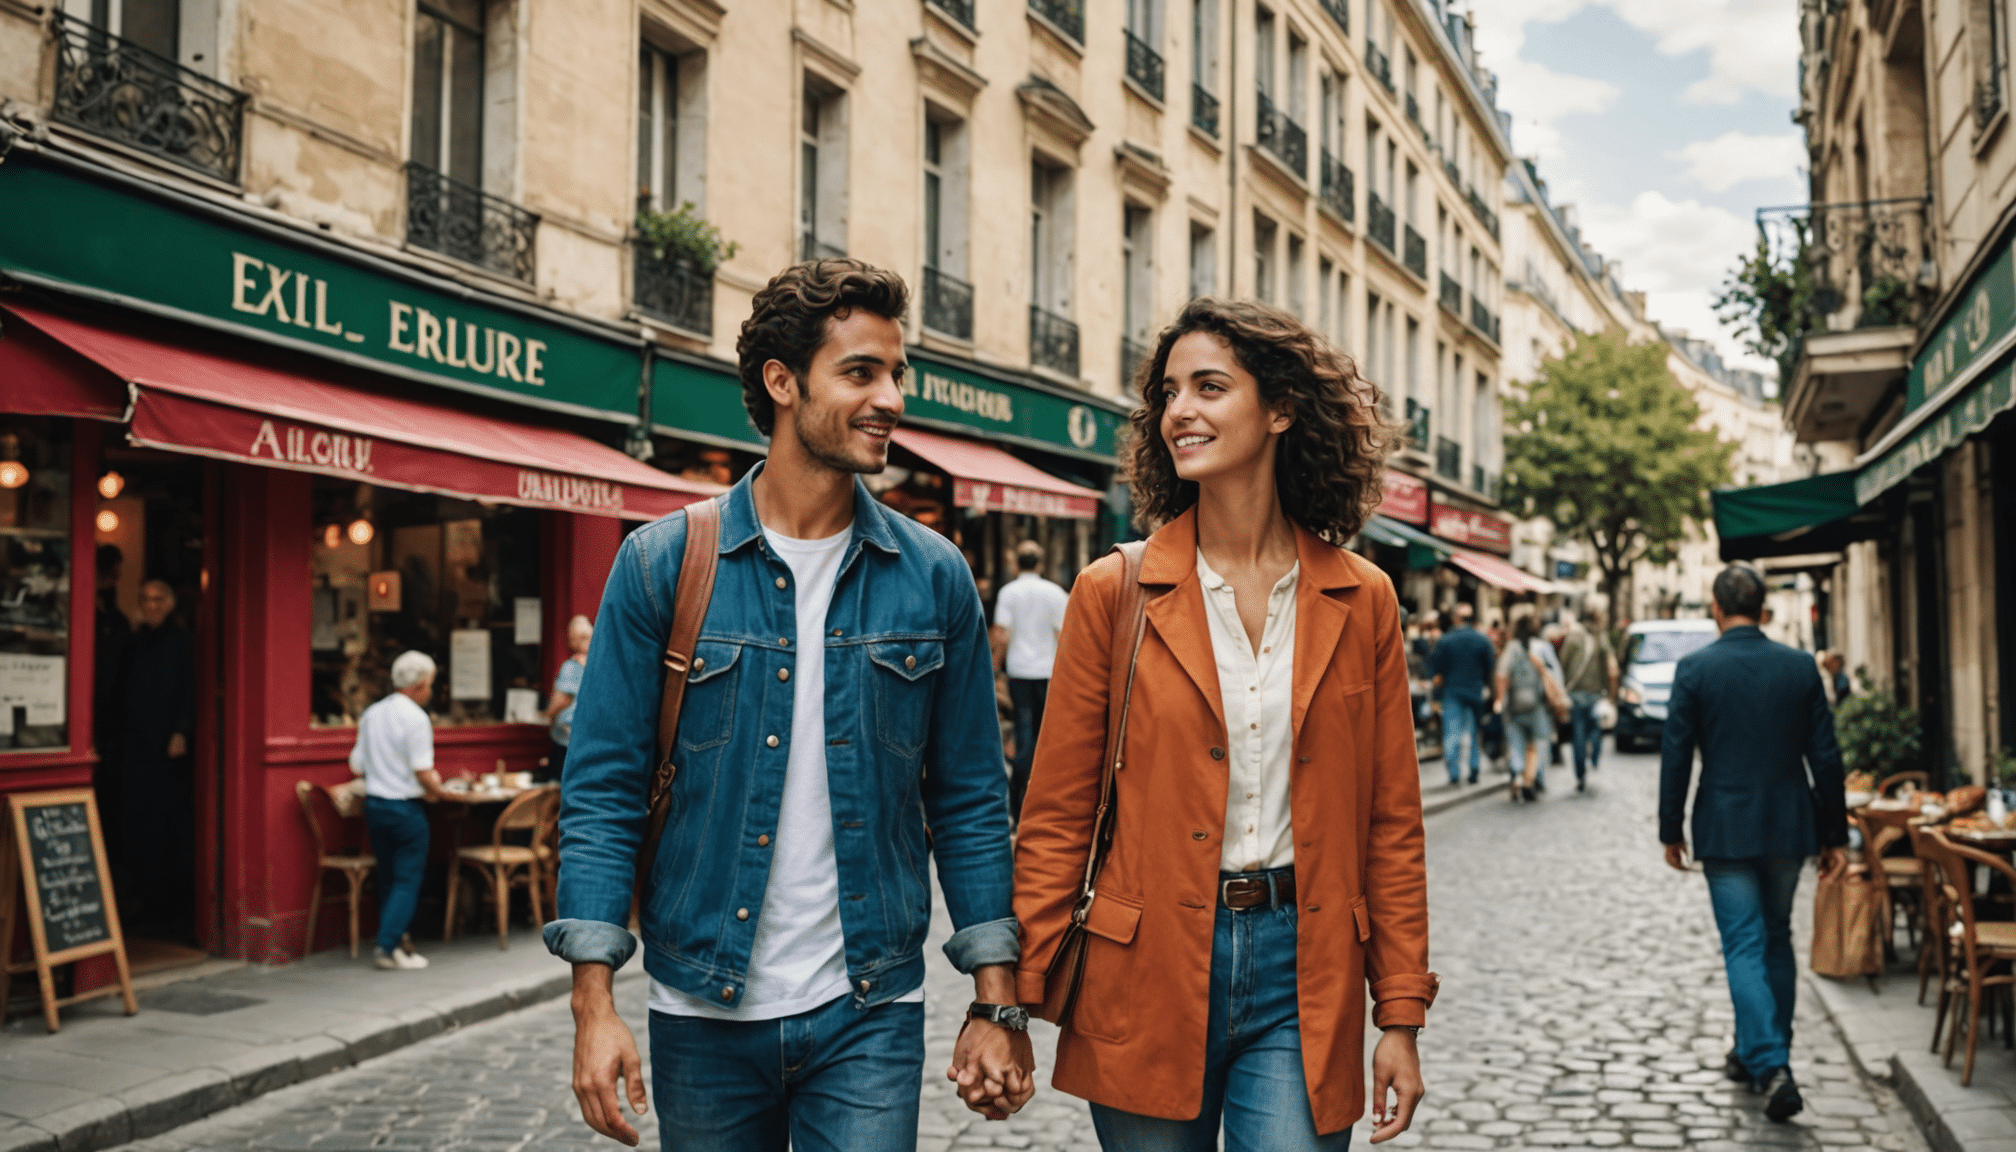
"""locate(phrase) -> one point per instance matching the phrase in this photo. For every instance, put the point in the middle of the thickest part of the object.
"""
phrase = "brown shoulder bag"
(1130, 613)
(690, 598)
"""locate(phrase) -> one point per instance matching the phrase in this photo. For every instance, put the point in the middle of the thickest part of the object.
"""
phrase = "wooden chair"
(352, 861)
(1903, 876)
(505, 865)
(1935, 946)
(1983, 946)
(546, 842)
(1921, 779)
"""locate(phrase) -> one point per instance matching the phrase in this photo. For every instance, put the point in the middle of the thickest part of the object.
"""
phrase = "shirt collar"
(1215, 582)
(739, 525)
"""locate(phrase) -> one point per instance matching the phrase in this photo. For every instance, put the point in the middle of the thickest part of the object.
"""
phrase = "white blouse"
(1257, 689)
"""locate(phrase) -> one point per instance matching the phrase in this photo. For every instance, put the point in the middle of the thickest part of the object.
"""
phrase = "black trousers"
(1028, 697)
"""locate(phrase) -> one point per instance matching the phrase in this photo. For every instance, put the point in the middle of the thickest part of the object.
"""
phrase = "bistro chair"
(1983, 946)
(505, 865)
(1921, 779)
(351, 860)
(1903, 876)
(1935, 947)
(546, 843)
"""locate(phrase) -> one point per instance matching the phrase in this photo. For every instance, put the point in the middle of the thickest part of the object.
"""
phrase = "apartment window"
(1373, 345)
(1144, 45)
(1325, 317)
(1298, 78)
(1392, 163)
(1263, 258)
(1137, 273)
(1984, 35)
(1263, 51)
(822, 171)
(1372, 156)
(1342, 332)
(948, 298)
(1053, 338)
(1203, 261)
(1413, 355)
(671, 128)
(1413, 189)
(1483, 421)
(1330, 114)
(1204, 65)
(934, 191)
(1297, 295)
(448, 89)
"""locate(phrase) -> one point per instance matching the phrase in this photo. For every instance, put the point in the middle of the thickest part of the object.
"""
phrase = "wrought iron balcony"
(1871, 260)
(1482, 212)
(1132, 356)
(674, 290)
(462, 221)
(1482, 319)
(1380, 65)
(1452, 295)
(1414, 252)
(948, 304)
(1449, 458)
(1067, 15)
(1204, 110)
(1338, 193)
(810, 247)
(1282, 136)
(1340, 14)
(1450, 170)
(1053, 342)
(1419, 425)
(1413, 109)
(1144, 65)
(116, 89)
(960, 10)
(1378, 220)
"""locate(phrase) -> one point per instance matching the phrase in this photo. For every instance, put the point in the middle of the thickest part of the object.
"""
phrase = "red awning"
(40, 377)
(210, 405)
(991, 480)
(1492, 570)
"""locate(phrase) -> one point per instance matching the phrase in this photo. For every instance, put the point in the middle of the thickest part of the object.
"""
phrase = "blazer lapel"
(1178, 617)
(1319, 617)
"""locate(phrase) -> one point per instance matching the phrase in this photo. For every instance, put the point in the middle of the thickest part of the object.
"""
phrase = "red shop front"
(304, 523)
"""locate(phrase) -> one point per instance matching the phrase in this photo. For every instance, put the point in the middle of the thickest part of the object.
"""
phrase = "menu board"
(64, 869)
(52, 869)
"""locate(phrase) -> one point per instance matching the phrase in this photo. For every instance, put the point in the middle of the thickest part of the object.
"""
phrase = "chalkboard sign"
(54, 862)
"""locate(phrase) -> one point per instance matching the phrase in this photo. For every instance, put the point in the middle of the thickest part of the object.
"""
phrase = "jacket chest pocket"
(905, 675)
(708, 714)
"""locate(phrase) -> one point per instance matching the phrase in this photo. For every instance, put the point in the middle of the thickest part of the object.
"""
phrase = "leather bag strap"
(690, 599)
(1130, 615)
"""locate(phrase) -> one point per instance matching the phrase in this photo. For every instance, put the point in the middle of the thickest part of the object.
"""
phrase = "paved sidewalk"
(203, 1045)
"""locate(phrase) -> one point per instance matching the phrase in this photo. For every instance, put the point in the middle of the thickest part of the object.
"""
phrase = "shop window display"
(35, 575)
(397, 570)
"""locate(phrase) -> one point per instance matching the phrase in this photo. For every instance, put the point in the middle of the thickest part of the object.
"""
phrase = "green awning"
(1423, 550)
(1817, 514)
(1971, 409)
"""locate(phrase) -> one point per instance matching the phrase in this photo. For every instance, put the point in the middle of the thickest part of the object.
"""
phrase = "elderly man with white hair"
(395, 755)
(566, 688)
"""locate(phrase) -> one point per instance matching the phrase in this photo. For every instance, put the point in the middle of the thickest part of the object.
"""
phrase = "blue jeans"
(1252, 1053)
(1753, 910)
(1459, 732)
(1585, 734)
(399, 840)
(1535, 727)
(836, 1078)
(1028, 696)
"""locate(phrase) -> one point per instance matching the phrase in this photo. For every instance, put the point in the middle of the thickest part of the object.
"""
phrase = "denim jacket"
(911, 741)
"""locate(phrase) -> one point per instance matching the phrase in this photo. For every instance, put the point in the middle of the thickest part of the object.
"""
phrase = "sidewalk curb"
(1443, 802)
(158, 1105)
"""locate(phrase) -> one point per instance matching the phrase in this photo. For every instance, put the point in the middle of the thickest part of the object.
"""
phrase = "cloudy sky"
(1665, 122)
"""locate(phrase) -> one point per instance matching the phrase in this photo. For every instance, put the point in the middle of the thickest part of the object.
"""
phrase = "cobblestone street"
(1582, 1005)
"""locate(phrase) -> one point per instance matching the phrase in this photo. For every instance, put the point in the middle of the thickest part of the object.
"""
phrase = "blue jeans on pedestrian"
(1253, 1081)
(1753, 910)
(1584, 733)
(399, 841)
(834, 1079)
(1532, 727)
(1459, 733)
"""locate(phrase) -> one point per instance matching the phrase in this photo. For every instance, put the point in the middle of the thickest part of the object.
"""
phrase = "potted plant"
(1877, 734)
(683, 239)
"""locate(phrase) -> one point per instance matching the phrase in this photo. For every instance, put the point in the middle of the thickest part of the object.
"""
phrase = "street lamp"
(13, 474)
(110, 485)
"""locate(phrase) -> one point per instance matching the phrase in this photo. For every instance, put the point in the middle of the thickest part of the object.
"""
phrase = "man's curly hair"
(1329, 468)
(787, 321)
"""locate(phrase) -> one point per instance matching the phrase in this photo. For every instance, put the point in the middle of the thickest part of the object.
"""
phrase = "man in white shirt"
(395, 755)
(1028, 615)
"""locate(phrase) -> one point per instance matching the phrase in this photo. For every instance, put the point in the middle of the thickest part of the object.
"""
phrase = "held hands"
(994, 1067)
(1833, 862)
(1396, 1084)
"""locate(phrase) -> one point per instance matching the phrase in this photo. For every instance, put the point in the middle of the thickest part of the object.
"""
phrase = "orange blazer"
(1136, 1039)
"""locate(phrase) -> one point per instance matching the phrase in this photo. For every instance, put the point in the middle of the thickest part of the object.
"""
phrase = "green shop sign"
(703, 403)
(73, 232)
(1985, 398)
(1977, 330)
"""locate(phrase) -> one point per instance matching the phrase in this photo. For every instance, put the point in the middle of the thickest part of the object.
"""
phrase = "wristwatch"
(1413, 1028)
(1009, 1016)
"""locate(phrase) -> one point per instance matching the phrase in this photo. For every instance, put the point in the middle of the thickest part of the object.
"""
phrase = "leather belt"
(1257, 889)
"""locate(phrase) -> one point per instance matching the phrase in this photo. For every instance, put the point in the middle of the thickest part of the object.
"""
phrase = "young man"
(1463, 663)
(1029, 615)
(841, 699)
(1592, 672)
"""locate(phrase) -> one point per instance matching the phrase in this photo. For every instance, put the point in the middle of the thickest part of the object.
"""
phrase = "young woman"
(1266, 863)
(1522, 701)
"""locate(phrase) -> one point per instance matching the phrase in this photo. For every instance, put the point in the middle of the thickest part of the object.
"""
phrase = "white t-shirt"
(1032, 609)
(394, 740)
(798, 960)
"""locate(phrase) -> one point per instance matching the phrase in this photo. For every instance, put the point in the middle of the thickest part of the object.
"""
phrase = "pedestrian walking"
(1462, 664)
(1757, 712)
(839, 702)
(1029, 612)
(1523, 669)
(1590, 674)
(1264, 767)
(566, 688)
(394, 753)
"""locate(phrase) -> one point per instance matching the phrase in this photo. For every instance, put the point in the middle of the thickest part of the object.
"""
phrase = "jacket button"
(770, 740)
(1217, 753)
(909, 662)
(1199, 835)
(864, 987)
(784, 640)
(743, 913)
(783, 673)
(1301, 759)
(837, 632)
(780, 582)
(728, 993)
(762, 841)
(699, 663)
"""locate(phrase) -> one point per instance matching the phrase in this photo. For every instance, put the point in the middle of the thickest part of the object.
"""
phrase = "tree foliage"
(1877, 734)
(1605, 445)
(1773, 299)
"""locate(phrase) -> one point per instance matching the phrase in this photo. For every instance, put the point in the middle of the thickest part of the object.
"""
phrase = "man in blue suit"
(1463, 663)
(1759, 716)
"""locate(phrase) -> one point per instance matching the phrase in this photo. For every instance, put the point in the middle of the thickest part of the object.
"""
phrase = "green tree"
(1773, 300)
(1605, 445)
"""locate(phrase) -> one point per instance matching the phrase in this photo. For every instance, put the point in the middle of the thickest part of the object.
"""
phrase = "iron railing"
(1482, 319)
(1450, 170)
(1338, 194)
(1378, 220)
(1419, 425)
(1340, 14)
(464, 222)
(1871, 260)
(1144, 65)
(1414, 251)
(948, 304)
(1053, 341)
(1380, 65)
(1203, 110)
(1067, 15)
(1452, 295)
(674, 290)
(1449, 458)
(1282, 136)
(1413, 109)
(1483, 212)
(960, 10)
(1132, 355)
(116, 89)
(810, 247)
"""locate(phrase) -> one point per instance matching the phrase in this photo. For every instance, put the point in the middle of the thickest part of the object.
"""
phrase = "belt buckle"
(1225, 890)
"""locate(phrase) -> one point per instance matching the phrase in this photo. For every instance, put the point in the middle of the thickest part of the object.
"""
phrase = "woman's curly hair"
(1329, 469)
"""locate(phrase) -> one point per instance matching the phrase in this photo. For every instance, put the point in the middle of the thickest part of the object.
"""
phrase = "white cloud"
(1752, 45)
(1678, 253)
(1734, 157)
(1540, 97)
